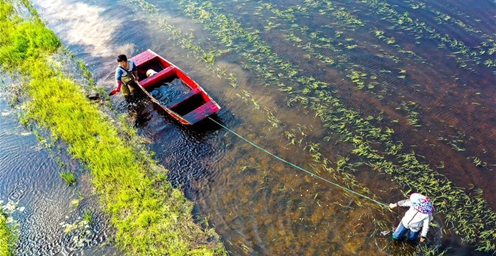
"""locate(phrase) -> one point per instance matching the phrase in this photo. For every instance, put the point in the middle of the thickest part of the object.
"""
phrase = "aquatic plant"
(335, 116)
(312, 47)
(150, 216)
(465, 55)
(68, 177)
(88, 216)
(359, 125)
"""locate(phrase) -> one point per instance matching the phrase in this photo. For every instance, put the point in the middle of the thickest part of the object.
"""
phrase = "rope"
(300, 168)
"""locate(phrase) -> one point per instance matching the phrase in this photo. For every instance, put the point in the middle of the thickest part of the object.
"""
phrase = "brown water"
(417, 80)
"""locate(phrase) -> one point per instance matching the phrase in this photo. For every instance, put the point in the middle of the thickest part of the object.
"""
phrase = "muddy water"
(259, 205)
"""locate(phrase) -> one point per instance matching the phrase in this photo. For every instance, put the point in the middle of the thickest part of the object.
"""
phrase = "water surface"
(48, 212)
(420, 69)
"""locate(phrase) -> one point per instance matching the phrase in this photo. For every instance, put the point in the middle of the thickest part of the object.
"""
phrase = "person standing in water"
(416, 219)
(126, 76)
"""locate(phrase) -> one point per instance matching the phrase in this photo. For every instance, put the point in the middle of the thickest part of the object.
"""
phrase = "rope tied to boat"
(300, 168)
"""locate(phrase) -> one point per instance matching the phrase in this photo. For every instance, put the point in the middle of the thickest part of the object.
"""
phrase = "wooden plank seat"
(183, 98)
(201, 112)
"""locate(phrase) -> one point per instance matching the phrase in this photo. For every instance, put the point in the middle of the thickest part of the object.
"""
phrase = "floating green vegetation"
(149, 215)
(8, 239)
(466, 56)
(68, 177)
(404, 167)
(443, 18)
(411, 113)
(322, 42)
(88, 216)
(315, 42)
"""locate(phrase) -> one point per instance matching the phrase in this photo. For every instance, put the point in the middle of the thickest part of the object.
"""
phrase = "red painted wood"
(202, 112)
(148, 59)
(160, 76)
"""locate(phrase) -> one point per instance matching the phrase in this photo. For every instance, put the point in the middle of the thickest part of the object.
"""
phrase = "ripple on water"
(188, 152)
(12, 142)
(39, 200)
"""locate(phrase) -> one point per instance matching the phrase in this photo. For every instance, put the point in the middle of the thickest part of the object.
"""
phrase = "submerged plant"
(375, 145)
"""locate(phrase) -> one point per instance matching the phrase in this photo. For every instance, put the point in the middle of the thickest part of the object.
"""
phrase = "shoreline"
(7, 235)
(148, 214)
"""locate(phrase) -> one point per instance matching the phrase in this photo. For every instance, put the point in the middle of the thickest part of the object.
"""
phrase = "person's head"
(121, 58)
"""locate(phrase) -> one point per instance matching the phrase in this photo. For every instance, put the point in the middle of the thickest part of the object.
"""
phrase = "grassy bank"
(7, 237)
(149, 215)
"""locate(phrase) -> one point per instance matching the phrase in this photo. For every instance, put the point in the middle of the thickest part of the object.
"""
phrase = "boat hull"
(191, 103)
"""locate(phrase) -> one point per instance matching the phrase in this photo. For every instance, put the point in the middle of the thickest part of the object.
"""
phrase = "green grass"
(7, 237)
(149, 215)
(6, 234)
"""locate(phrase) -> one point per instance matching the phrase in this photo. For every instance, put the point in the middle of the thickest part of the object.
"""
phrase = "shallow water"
(48, 212)
(438, 100)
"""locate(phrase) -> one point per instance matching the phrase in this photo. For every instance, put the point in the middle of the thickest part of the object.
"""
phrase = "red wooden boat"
(182, 98)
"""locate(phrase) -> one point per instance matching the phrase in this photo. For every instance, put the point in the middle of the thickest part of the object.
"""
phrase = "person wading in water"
(417, 218)
(126, 77)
